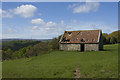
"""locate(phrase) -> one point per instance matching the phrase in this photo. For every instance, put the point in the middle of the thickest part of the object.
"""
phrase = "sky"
(46, 20)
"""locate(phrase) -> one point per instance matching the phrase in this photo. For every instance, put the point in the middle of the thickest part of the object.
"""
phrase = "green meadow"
(63, 64)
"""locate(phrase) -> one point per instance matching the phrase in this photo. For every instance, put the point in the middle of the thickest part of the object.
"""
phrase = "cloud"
(35, 27)
(72, 6)
(51, 28)
(48, 29)
(84, 8)
(25, 11)
(9, 30)
(38, 31)
(5, 14)
(0, 12)
(50, 23)
(39, 14)
(93, 25)
(6, 36)
(37, 21)
(0, 36)
(40, 21)
(74, 21)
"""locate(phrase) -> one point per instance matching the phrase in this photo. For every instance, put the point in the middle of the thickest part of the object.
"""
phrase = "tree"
(37, 49)
(54, 43)
(7, 54)
(104, 39)
(105, 35)
(108, 40)
(116, 34)
(20, 53)
(113, 40)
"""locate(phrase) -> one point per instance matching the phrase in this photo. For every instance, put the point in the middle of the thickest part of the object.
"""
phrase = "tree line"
(111, 38)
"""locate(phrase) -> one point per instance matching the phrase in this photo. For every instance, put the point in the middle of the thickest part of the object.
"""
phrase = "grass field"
(62, 64)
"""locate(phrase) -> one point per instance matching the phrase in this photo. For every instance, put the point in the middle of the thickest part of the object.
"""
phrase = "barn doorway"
(82, 47)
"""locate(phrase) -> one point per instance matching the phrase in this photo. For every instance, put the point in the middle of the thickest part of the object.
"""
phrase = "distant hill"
(25, 39)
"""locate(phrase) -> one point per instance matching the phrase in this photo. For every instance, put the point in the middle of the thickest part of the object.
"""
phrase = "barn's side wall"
(91, 47)
(77, 47)
(70, 47)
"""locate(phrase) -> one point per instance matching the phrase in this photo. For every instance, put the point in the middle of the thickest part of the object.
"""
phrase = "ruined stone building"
(84, 40)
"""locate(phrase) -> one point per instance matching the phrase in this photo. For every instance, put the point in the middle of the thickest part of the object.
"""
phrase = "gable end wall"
(101, 42)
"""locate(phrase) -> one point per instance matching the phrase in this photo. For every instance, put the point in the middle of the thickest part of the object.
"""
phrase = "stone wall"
(70, 47)
(91, 47)
(77, 47)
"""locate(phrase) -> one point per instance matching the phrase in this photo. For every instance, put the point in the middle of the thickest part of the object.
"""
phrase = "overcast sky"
(47, 20)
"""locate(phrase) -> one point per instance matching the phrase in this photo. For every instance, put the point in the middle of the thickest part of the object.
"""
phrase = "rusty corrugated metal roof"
(82, 36)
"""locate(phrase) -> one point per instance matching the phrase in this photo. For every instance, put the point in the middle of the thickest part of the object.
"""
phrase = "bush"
(54, 43)
(7, 54)
(37, 49)
(104, 39)
(20, 53)
(108, 40)
(113, 40)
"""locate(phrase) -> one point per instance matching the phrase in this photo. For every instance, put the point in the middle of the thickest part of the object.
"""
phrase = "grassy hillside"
(63, 64)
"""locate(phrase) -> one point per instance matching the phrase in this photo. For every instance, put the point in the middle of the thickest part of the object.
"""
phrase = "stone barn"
(84, 40)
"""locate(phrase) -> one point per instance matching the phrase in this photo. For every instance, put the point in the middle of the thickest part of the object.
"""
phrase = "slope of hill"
(63, 64)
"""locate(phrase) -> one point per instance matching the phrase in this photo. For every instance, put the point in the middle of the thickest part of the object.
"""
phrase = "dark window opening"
(82, 40)
(65, 40)
(79, 33)
(92, 40)
(74, 40)
(68, 40)
(69, 33)
(87, 40)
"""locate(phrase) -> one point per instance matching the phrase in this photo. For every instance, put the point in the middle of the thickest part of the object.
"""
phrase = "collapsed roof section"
(83, 36)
